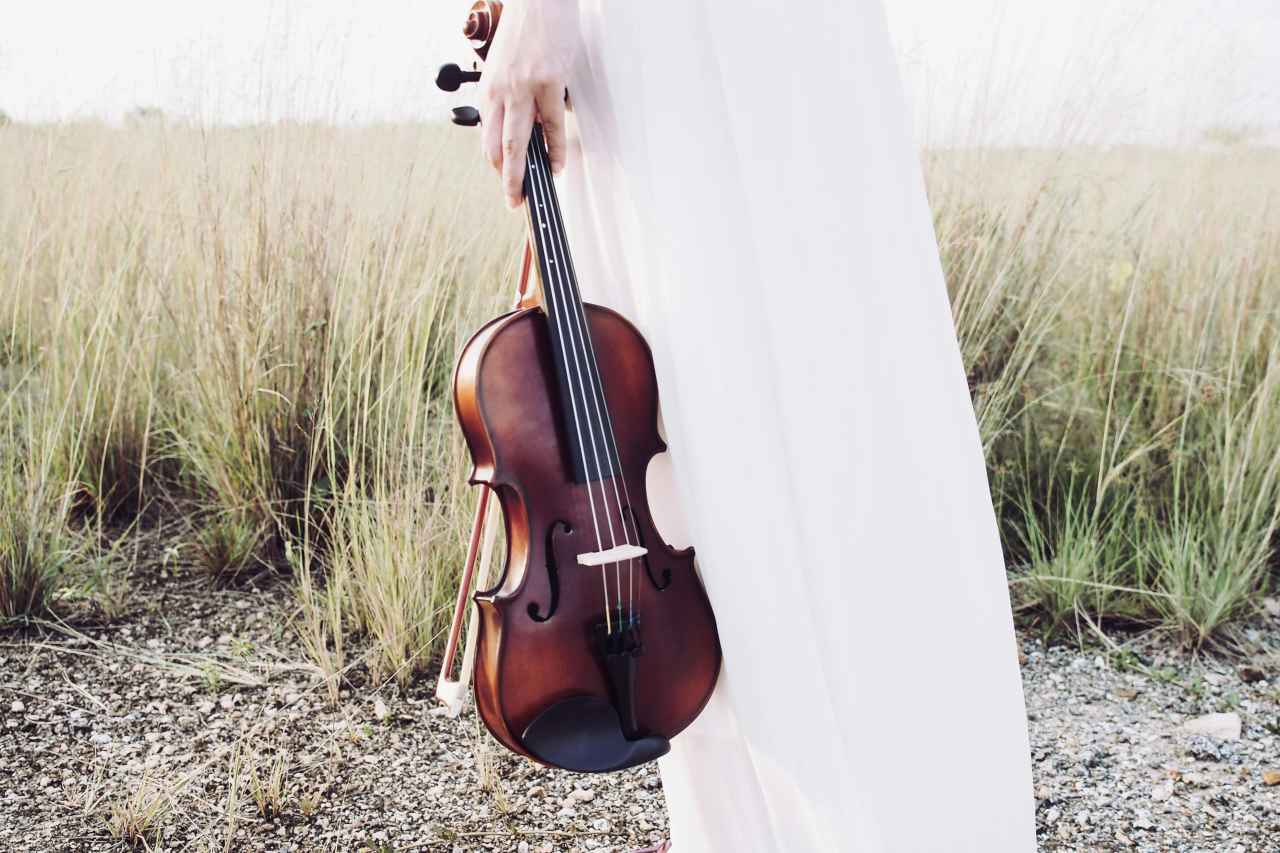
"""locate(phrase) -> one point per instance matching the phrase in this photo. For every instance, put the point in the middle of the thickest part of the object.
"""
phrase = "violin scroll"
(481, 25)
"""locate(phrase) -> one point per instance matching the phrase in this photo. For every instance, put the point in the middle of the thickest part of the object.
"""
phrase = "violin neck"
(547, 234)
(585, 416)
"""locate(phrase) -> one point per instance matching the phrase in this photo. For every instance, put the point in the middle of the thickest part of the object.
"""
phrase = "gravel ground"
(1147, 750)
(156, 714)
(175, 720)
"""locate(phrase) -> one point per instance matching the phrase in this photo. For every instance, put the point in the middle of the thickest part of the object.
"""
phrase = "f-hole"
(630, 517)
(553, 574)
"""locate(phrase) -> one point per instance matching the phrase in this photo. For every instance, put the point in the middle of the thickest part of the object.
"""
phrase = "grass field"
(230, 350)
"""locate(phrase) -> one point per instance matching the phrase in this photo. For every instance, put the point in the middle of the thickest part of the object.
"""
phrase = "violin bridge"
(613, 555)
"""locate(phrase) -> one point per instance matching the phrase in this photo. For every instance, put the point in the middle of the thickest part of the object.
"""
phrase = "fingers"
(491, 133)
(508, 122)
(550, 103)
(517, 124)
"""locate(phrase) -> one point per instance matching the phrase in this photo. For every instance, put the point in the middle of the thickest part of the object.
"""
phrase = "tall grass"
(1119, 316)
(256, 328)
(34, 544)
(35, 500)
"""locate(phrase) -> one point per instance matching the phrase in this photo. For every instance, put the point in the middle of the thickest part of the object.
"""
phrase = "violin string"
(558, 271)
(555, 307)
(562, 262)
(605, 417)
(596, 389)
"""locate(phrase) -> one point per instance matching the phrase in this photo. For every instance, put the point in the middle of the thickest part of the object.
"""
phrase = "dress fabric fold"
(743, 187)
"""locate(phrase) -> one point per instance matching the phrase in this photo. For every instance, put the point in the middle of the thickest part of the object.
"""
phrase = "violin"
(596, 644)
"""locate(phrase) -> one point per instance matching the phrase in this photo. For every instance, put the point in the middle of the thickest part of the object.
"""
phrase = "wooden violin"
(597, 644)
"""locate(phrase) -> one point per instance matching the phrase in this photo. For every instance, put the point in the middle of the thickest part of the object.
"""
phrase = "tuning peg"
(466, 116)
(450, 77)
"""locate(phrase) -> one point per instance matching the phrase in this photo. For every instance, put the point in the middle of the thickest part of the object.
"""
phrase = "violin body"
(545, 683)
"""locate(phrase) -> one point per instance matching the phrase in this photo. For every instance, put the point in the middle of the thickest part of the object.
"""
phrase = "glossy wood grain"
(504, 393)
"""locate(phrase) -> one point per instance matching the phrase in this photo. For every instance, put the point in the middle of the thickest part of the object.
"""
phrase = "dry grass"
(136, 818)
(1119, 317)
(257, 326)
(267, 786)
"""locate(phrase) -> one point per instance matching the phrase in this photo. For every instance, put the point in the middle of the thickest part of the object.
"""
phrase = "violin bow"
(450, 691)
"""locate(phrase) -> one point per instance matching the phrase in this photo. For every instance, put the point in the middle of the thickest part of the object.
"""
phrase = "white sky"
(977, 70)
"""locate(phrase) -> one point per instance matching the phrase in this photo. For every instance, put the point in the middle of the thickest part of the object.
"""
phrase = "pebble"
(1221, 726)
(1204, 748)
(1252, 674)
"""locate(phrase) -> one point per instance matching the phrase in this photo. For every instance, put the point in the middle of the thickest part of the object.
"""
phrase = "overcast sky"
(977, 70)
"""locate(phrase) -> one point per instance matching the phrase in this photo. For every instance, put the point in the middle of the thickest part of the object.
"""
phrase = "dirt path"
(195, 723)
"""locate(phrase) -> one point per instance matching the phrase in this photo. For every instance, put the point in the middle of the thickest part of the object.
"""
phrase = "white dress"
(744, 188)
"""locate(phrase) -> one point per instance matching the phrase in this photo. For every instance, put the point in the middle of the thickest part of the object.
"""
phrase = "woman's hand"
(524, 78)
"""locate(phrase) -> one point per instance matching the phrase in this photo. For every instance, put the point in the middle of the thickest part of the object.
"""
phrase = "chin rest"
(584, 734)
